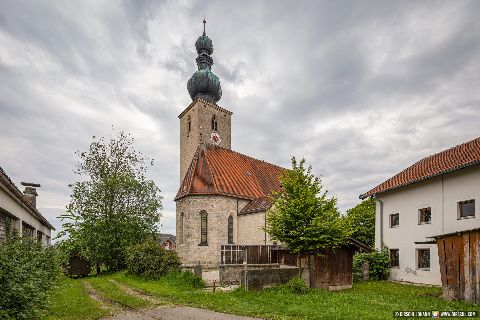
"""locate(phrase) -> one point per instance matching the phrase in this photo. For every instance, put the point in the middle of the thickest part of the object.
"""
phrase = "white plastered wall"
(442, 194)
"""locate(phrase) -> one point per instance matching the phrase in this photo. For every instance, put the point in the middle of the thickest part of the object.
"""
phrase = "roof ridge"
(241, 154)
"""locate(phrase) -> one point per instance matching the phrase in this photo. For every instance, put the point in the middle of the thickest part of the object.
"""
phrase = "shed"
(331, 269)
(459, 257)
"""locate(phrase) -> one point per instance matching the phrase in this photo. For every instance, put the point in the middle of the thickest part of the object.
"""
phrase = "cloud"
(360, 89)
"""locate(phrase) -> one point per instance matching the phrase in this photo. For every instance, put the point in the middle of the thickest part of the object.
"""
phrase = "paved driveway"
(177, 313)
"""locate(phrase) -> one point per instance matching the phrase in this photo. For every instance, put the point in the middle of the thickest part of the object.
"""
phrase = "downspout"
(380, 202)
(443, 207)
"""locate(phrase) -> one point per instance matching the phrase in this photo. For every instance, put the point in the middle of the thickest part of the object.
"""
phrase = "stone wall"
(218, 208)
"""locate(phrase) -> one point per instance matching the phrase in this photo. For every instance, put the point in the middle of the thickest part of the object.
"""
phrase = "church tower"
(203, 121)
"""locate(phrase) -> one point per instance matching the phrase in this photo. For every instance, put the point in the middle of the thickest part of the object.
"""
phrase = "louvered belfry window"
(230, 230)
(203, 228)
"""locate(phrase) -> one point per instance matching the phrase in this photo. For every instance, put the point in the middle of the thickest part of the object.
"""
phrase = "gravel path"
(177, 313)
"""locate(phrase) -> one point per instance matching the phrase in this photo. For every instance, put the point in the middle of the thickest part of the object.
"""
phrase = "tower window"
(214, 123)
(189, 124)
(230, 230)
(203, 228)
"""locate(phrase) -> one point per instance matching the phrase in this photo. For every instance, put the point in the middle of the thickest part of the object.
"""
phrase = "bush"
(28, 271)
(378, 265)
(187, 279)
(150, 261)
(295, 285)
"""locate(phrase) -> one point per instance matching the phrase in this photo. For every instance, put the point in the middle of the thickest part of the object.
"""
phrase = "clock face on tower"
(215, 138)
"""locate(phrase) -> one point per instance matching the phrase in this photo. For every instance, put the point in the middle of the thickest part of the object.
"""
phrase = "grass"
(369, 300)
(70, 301)
(112, 292)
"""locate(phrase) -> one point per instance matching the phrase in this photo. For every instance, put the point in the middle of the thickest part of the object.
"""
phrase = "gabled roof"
(459, 157)
(8, 183)
(218, 171)
(165, 236)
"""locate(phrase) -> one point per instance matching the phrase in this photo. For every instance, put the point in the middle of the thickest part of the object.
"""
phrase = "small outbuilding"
(331, 270)
(459, 258)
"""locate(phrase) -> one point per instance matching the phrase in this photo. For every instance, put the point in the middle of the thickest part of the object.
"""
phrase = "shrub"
(28, 271)
(187, 279)
(295, 285)
(150, 261)
(378, 265)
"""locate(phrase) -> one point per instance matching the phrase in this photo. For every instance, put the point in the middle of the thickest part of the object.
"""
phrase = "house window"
(27, 230)
(423, 258)
(203, 228)
(394, 220)
(39, 235)
(425, 215)
(230, 230)
(48, 241)
(214, 123)
(189, 124)
(394, 258)
(466, 209)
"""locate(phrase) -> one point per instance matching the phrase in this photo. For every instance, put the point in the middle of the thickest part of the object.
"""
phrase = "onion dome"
(204, 83)
(204, 43)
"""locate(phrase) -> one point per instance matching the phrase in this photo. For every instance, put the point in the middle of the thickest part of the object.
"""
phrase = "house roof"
(219, 171)
(165, 236)
(8, 184)
(459, 157)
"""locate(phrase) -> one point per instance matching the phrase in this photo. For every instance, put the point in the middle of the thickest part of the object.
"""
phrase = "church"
(223, 195)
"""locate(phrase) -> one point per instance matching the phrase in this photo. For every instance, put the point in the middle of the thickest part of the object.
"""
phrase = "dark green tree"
(114, 205)
(362, 220)
(303, 217)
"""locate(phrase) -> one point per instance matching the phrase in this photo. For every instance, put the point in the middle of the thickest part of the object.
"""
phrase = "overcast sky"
(361, 89)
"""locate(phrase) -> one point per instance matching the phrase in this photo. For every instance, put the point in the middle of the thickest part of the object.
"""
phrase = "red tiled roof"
(461, 156)
(218, 171)
(257, 205)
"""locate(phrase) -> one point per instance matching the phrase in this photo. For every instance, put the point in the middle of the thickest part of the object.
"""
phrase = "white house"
(439, 194)
(18, 212)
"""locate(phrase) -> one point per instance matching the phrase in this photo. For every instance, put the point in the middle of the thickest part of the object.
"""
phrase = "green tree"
(303, 217)
(362, 219)
(114, 205)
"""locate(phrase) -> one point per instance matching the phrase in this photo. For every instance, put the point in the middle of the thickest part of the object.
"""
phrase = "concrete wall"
(442, 194)
(14, 207)
(201, 113)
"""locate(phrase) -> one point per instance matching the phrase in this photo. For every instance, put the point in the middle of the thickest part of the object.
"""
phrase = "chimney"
(30, 192)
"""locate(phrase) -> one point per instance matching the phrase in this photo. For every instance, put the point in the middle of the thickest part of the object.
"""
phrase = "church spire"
(203, 83)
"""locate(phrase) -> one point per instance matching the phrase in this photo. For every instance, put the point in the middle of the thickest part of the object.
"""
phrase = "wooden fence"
(459, 258)
(252, 254)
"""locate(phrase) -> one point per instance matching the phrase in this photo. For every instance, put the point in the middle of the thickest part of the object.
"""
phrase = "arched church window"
(203, 228)
(230, 230)
(214, 123)
(189, 124)
(180, 228)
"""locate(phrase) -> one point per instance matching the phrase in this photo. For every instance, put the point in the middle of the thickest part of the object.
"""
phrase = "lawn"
(370, 300)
